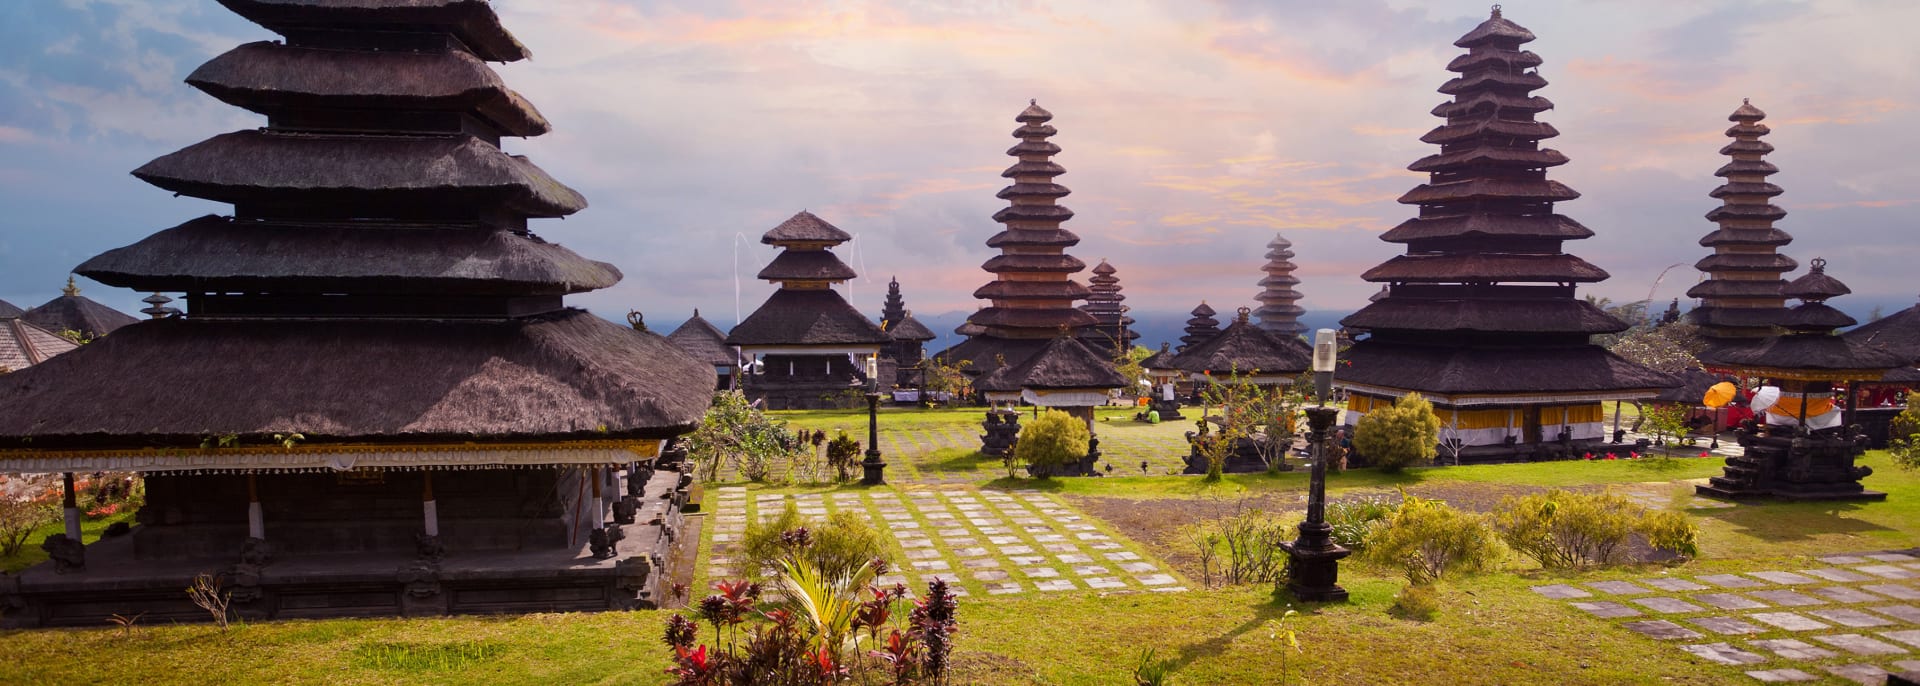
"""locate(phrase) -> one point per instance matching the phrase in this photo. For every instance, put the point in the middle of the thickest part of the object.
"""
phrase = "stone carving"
(68, 555)
(624, 510)
(242, 582)
(421, 578)
(429, 547)
(602, 541)
(1002, 430)
(256, 551)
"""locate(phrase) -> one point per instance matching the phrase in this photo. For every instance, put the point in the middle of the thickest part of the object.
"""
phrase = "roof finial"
(1496, 11)
(1033, 101)
(635, 320)
(1819, 265)
(70, 289)
(696, 312)
(1745, 101)
(1241, 314)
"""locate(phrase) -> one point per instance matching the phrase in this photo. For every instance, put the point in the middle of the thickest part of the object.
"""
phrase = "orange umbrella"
(1719, 395)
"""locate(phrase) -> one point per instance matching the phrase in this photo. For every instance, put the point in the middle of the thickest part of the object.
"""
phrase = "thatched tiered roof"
(1898, 332)
(74, 312)
(1200, 329)
(1112, 327)
(1279, 309)
(1483, 300)
(1033, 293)
(1808, 349)
(910, 329)
(1064, 364)
(703, 341)
(806, 311)
(1741, 298)
(377, 281)
(1248, 351)
(894, 308)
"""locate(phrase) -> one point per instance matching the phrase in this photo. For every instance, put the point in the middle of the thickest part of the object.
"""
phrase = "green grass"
(1491, 629)
(31, 554)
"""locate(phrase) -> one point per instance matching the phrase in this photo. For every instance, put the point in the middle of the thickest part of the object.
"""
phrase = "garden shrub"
(1401, 436)
(1903, 434)
(842, 453)
(1563, 530)
(1427, 539)
(1356, 519)
(838, 546)
(1054, 439)
(1243, 547)
(1418, 602)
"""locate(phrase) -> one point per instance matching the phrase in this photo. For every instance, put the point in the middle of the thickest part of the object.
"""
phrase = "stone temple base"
(1816, 467)
(366, 584)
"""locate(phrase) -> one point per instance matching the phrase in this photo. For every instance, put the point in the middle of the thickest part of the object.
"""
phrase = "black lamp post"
(873, 471)
(1315, 559)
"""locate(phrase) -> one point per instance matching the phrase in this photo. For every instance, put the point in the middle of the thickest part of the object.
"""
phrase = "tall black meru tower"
(375, 363)
(1480, 314)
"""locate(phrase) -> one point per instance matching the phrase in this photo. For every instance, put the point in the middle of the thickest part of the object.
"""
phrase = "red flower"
(1703, 453)
(1612, 456)
(1589, 456)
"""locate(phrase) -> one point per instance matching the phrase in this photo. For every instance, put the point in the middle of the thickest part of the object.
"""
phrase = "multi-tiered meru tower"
(376, 400)
(1112, 329)
(1740, 301)
(1480, 314)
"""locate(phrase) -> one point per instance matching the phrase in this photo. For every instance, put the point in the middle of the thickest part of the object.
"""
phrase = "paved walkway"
(1857, 617)
(992, 542)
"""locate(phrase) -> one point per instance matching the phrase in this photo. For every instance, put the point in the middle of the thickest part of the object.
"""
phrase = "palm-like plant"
(828, 603)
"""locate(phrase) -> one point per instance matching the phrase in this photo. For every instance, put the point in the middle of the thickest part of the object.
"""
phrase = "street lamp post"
(873, 471)
(1314, 572)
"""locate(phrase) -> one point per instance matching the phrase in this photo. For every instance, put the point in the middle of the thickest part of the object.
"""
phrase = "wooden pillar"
(256, 520)
(70, 511)
(429, 508)
(599, 505)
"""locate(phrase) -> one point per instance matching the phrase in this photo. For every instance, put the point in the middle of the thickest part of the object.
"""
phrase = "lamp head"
(1325, 349)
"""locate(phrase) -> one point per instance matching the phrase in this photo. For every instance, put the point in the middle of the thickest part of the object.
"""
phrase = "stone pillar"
(429, 508)
(70, 511)
(256, 520)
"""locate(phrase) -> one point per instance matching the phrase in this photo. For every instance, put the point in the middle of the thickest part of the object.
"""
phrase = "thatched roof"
(805, 228)
(806, 265)
(1160, 359)
(1898, 332)
(1049, 237)
(74, 312)
(1745, 236)
(1026, 168)
(1065, 363)
(1531, 370)
(1811, 354)
(1729, 288)
(23, 345)
(1692, 389)
(1034, 113)
(910, 329)
(215, 254)
(806, 317)
(1815, 285)
(987, 352)
(1516, 315)
(1245, 349)
(1033, 213)
(1753, 212)
(173, 382)
(1738, 317)
(1489, 189)
(701, 340)
(350, 170)
(1469, 267)
(269, 77)
(9, 310)
(1021, 318)
(472, 21)
(1904, 375)
(1032, 290)
(1496, 30)
(1746, 262)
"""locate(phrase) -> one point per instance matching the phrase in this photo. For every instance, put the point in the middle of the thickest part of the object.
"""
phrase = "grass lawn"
(31, 554)
(1492, 629)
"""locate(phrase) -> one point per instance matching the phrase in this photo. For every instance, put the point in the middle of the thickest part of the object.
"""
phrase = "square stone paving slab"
(1104, 582)
(1667, 605)
(990, 575)
(1674, 585)
(1907, 665)
(1851, 618)
(1729, 581)
(980, 563)
(1844, 559)
(1860, 673)
(972, 551)
(1787, 620)
(1844, 594)
(1839, 575)
(1860, 645)
(1617, 587)
(1784, 578)
(1662, 629)
(1040, 572)
(1055, 585)
(1122, 556)
(1793, 649)
(1908, 636)
(1607, 609)
(1787, 598)
(1065, 548)
(1139, 567)
(1781, 676)
(1727, 625)
(1090, 570)
(931, 565)
(1895, 591)
(916, 543)
(1105, 545)
(1157, 580)
(1026, 560)
(1893, 557)
(1016, 550)
(1724, 653)
(1729, 601)
(1905, 613)
(1005, 588)
(1889, 571)
(1562, 591)
(1076, 558)
(922, 554)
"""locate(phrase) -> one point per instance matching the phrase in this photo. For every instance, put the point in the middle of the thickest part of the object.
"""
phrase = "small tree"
(1665, 421)
(1055, 439)
(941, 377)
(734, 433)
(1406, 434)
(1903, 434)
(843, 453)
(1426, 539)
(27, 502)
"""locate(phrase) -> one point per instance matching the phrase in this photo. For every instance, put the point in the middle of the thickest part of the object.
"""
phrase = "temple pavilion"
(1740, 299)
(23, 345)
(1066, 375)
(80, 314)
(1279, 303)
(1033, 292)
(1200, 329)
(703, 341)
(907, 354)
(1112, 329)
(1480, 315)
(375, 400)
(809, 347)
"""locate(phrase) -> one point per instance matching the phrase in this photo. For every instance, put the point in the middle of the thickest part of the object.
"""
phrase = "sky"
(1192, 131)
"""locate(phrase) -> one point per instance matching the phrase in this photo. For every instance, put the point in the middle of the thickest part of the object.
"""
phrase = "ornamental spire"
(1033, 293)
(1741, 296)
(1113, 327)
(1201, 328)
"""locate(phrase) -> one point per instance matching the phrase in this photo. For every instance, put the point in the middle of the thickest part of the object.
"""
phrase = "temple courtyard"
(1067, 580)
